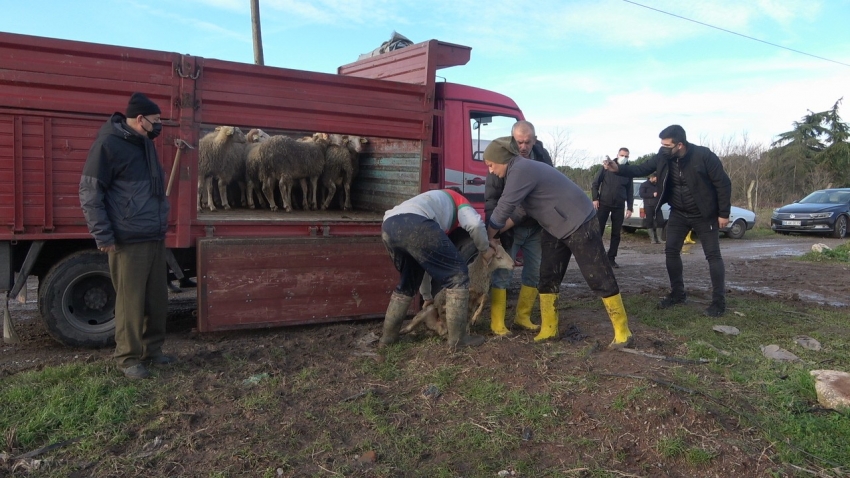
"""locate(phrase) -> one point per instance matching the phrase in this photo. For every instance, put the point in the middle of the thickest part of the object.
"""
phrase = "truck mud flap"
(270, 282)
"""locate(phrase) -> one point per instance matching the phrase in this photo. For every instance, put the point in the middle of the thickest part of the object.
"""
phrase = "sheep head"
(256, 135)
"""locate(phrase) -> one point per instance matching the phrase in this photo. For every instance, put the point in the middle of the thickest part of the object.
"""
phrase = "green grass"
(839, 254)
(482, 419)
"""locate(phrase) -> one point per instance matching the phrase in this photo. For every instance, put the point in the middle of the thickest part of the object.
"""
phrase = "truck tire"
(737, 229)
(629, 229)
(77, 301)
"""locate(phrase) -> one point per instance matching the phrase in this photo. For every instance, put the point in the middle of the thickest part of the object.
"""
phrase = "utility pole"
(258, 36)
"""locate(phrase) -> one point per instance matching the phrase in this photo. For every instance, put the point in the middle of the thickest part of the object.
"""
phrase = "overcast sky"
(608, 73)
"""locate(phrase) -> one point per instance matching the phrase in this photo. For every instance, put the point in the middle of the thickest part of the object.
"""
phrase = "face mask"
(622, 159)
(665, 152)
(156, 129)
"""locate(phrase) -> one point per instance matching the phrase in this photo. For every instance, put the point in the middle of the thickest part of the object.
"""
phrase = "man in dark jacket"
(123, 200)
(569, 225)
(613, 195)
(649, 193)
(699, 192)
(523, 235)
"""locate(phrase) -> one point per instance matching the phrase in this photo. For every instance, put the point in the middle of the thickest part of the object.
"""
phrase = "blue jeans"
(417, 245)
(678, 226)
(526, 239)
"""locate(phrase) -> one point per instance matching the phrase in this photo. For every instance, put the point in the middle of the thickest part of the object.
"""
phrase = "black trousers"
(709, 236)
(617, 214)
(656, 220)
(586, 245)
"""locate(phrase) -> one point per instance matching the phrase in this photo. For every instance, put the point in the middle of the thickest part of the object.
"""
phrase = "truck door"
(482, 126)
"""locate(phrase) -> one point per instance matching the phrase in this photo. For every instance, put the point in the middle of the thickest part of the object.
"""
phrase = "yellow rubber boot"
(617, 314)
(548, 318)
(498, 303)
(689, 239)
(527, 296)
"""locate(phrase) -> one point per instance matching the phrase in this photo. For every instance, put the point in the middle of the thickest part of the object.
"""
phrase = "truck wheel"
(77, 301)
(737, 229)
(629, 229)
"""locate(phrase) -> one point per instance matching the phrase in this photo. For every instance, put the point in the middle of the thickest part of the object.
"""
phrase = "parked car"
(740, 220)
(826, 211)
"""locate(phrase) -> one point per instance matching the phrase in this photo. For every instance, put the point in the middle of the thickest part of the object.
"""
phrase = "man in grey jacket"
(569, 229)
(123, 200)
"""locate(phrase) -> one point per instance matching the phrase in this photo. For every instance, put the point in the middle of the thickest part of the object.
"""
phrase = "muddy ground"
(754, 266)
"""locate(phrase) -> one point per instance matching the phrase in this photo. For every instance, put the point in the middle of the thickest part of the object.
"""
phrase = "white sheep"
(286, 160)
(341, 167)
(253, 181)
(221, 154)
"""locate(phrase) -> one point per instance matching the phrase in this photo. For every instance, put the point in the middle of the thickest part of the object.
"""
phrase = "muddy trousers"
(141, 300)
(586, 245)
(417, 245)
(677, 228)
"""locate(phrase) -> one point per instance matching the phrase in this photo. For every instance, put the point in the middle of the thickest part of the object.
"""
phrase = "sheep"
(434, 315)
(220, 154)
(341, 167)
(253, 166)
(285, 159)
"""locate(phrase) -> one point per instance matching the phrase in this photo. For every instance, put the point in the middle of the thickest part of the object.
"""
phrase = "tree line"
(814, 154)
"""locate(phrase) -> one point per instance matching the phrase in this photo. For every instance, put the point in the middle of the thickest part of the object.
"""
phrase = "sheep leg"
(209, 189)
(200, 194)
(222, 191)
(242, 190)
(314, 180)
(478, 311)
(347, 186)
(250, 194)
(304, 194)
(419, 318)
(268, 190)
(285, 194)
(330, 190)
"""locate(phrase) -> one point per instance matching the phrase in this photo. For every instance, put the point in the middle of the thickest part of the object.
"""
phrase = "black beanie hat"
(141, 105)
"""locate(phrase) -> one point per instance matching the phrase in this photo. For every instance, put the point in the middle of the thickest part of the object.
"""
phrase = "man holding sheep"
(416, 235)
(569, 229)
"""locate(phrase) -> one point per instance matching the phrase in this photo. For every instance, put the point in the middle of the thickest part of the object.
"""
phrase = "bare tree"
(559, 144)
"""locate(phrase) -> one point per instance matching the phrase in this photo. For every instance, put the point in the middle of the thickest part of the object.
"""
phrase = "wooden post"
(255, 28)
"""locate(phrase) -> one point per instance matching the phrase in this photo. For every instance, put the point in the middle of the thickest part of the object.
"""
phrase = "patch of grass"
(699, 456)
(839, 254)
(85, 401)
(671, 447)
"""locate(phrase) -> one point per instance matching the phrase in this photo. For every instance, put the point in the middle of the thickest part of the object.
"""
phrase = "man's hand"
(628, 214)
(610, 165)
(495, 242)
(489, 254)
(111, 247)
(596, 205)
(722, 221)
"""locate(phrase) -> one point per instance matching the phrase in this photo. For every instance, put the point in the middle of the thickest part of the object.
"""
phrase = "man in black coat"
(613, 195)
(699, 192)
(649, 193)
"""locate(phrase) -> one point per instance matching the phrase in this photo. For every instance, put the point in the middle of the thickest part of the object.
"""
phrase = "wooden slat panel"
(271, 282)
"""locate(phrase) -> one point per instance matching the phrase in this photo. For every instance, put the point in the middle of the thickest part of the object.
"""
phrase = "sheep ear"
(218, 128)
(229, 131)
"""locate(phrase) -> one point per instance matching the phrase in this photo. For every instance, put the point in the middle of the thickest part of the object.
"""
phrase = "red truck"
(254, 268)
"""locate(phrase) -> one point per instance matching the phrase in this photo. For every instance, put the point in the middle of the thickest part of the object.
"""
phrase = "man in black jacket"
(613, 195)
(699, 192)
(123, 200)
(649, 194)
(524, 234)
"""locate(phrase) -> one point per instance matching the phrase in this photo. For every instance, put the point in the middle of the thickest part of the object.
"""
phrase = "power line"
(736, 33)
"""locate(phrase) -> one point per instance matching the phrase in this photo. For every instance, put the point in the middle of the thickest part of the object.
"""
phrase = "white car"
(740, 220)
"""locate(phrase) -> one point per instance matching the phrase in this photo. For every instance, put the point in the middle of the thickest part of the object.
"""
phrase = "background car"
(740, 220)
(826, 211)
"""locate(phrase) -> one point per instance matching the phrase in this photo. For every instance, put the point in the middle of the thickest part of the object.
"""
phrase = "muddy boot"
(396, 312)
(498, 304)
(548, 318)
(617, 314)
(653, 234)
(457, 308)
(527, 296)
